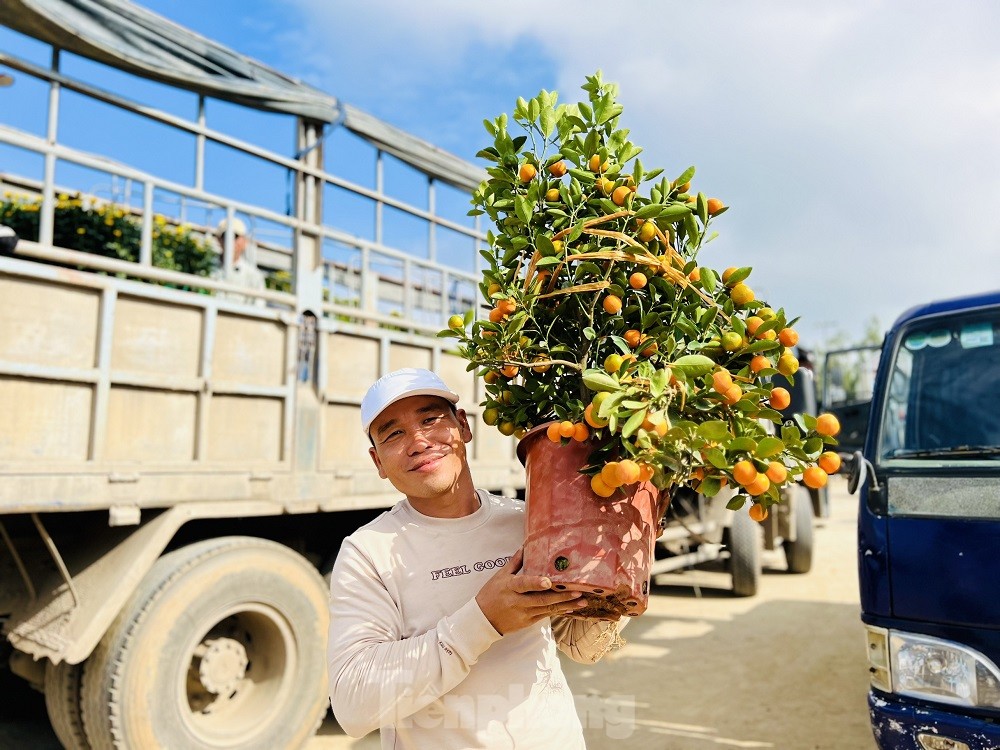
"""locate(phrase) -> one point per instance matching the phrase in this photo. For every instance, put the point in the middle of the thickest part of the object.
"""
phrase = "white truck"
(178, 465)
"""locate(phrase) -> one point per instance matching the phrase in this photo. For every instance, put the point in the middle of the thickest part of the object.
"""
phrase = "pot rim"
(530, 436)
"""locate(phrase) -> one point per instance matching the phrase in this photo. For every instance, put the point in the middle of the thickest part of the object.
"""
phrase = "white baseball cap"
(239, 228)
(410, 381)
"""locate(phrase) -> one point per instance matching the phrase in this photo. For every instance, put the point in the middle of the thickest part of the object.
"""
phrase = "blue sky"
(856, 140)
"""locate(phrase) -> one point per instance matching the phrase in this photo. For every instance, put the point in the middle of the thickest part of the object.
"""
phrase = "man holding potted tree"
(434, 637)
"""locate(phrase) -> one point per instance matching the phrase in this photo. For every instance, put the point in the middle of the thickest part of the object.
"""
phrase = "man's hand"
(512, 602)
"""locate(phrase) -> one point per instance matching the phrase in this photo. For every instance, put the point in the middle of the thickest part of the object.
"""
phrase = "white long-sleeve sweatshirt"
(410, 651)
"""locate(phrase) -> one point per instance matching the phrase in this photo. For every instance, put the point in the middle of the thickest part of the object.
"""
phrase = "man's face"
(239, 245)
(420, 446)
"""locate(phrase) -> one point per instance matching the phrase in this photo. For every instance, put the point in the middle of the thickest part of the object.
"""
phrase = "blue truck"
(929, 526)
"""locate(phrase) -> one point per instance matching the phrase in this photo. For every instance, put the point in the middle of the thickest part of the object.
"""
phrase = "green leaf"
(702, 204)
(716, 457)
(610, 405)
(674, 212)
(591, 268)
(738, 275)
(522, 207)
(649, 212)
(715, 430)
(551, 261)
(649, 320)
(790, 435)
(589, 333)
(771, 414)
(813, 446)
(770, 446)
(709, 280)
(544, 245)
(737, 502)
(710, 486)
(499, 173)
(746, 444)
(708, 317)
(516, 323)
(739, 326)
(688, 328)
(631, 152)
(599, 106)
(691, 227)
(612, 112)
(762, 346)
(596, 380)
(548, 120)
(694, 364)
(533, 109)
(633, 423)
(658, 383)
(686, 176)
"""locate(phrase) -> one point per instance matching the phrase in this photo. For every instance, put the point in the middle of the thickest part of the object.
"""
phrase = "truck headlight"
(932, 669)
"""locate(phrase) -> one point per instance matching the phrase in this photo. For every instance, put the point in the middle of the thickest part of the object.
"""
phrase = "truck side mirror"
(8, 240)
(857, 472)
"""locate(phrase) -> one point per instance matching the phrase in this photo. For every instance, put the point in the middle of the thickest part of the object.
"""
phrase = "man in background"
(243, 270)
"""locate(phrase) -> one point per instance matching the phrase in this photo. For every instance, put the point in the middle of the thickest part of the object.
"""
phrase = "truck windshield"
(941, 403)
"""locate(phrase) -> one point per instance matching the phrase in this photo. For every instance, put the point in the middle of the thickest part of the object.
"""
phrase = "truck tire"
(221, 646)
(62, 701)
(744, 554)
(799, 554)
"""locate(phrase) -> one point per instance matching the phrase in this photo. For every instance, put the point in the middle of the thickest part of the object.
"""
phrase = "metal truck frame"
(178, 468)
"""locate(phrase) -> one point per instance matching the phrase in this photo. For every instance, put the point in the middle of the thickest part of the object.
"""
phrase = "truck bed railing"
(364, 279)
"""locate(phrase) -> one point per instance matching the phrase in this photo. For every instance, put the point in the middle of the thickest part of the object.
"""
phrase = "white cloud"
(856, 140)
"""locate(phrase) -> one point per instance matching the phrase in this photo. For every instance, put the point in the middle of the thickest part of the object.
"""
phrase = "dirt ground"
(701, 670)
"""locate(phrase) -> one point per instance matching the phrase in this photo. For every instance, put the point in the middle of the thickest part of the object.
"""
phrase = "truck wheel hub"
(222, 664)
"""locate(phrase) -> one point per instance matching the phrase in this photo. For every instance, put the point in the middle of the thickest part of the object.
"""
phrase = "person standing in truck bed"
(243, 271)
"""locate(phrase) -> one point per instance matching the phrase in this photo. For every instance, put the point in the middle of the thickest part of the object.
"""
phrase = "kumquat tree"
(606, 326)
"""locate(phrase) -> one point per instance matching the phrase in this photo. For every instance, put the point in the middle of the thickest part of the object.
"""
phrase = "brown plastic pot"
(581, 541)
